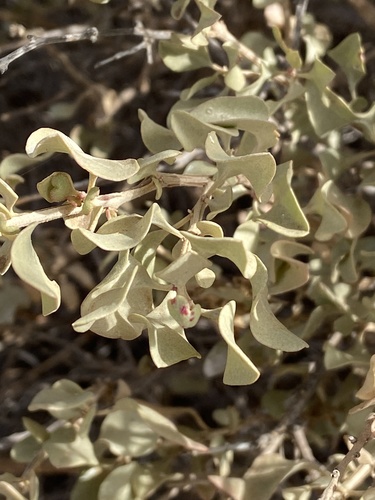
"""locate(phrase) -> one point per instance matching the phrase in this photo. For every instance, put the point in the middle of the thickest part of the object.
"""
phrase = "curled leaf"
(27, 266)
(121, 233)
(125, 290)
(258, 168)
(52, 141)
(288, 273)
(181, 270)
(239, 369)
(263, 324)
(285, 216)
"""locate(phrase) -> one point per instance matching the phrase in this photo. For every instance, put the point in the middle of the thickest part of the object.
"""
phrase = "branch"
(112, 200)
(77, 34)
(39, 41)
(366, 435)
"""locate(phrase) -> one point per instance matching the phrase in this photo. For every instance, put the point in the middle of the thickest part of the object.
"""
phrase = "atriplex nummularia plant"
(231, 137)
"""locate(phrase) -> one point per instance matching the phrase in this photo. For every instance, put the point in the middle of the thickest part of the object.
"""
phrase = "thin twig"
(122, 54)
(149, 37)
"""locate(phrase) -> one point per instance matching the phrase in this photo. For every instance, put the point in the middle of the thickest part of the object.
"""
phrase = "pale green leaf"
(192, 132)
(285, 216)
(231, 49)
(117, 485)
(340, 213)
(344, 261)
(145, 251)
(333, 222)
(67, 448)
(327, 111)
(127, 435)
(87, 485)
(205, 278)
(248, 232)
(148, 166)
(229, 248)
(317, 38)
(121, 233)
(350, 57)
(258, 168)
(168, 347)
(178, 8)
(160, 315)
(14, 163)
(320, 75)
(49, 140)
(155, 137)
(235, 79)
(239, 369)
(200, 167)
(64, 399)
(262, 137)
(197, 86)
(267, 472)
(5, 256)
(25, 450)
(288, 273)
(336, 359)
(229, 110)
(232, 486)
(9, 196)
(160, 424)
(180, 54)
(27, 266)
(220, 201)
(168, 342)
(7, 489)
(208, 16)
(13, 297)
(149, 478)
(291, 55)
(263, 324)
(36, 429)
(294, 91)
(216, 358)
(125, 290)
(365, 122)
(182, 269)
(225, 115)
(209, 228)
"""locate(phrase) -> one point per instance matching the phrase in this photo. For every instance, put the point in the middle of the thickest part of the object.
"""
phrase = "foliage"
(255, 126)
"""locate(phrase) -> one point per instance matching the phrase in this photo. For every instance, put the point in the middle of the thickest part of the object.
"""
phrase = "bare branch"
(366, 435)
(36, 42)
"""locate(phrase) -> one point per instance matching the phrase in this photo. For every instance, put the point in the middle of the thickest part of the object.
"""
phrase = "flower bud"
(184, 311)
